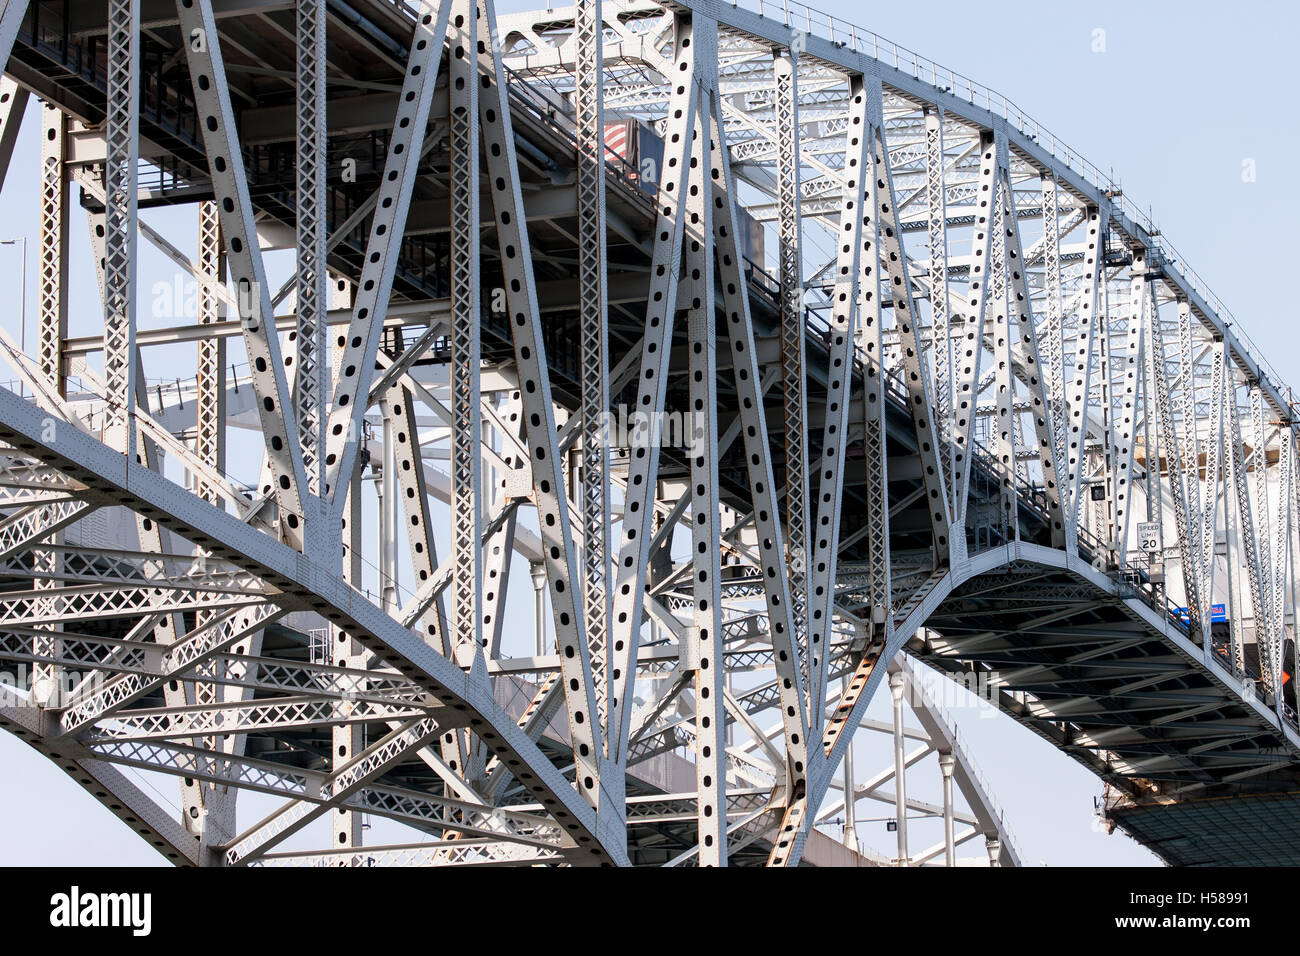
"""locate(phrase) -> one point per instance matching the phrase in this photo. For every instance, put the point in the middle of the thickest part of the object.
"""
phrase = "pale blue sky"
(1183, 93)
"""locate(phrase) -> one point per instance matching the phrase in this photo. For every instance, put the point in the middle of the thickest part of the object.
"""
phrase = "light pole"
(22, 296)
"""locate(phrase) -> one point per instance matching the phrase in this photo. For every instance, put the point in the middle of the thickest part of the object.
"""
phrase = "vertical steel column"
(386, 526)
(122, 136)
(52, 300)
(874, 447)
(1232, 553)
(661, 306)
(1213, 473)
(466, 414)
(909, 342)
(966, 397)
(1292, 575)
(856, 222)
(793, 355)
(1181, 483)
(1263, 536)
(210, 380)
(311, 382)
(897, 684)
(497, 553)
(1078, 387)
(539, 411)
(1250, 539)
(1282, 519)
(850, 791)
(1125, 421)
(218, 802)
(1054, 345)
(1100, 513)
(346, 738)
(52, 329)
(772, 553)
(702, 425)
(1189, 446)
(404, 462)
(1150, 423)
(589, 30)
(1022, 327)
(941, 317)
(997, 326)
(946, 763)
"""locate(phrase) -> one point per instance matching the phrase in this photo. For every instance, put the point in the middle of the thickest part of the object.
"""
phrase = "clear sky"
(1181, 95)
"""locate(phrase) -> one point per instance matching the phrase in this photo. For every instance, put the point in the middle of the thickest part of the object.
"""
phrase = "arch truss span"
(653, 382)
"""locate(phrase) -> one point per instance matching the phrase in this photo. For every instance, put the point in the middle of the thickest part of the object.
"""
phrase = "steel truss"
(980, 413)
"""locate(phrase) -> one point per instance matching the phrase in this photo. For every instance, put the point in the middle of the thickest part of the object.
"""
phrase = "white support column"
(346, 827)
(941, 316)
(1154, 450)
(52, 300)
(656, 350)
(971, 348)
(466, 397)
(793, 356)
(123, 142)
(997, 328)
(946, 763)
(1213, 480)
(897, 684)
(857, 238)
(1079, 374)
(1283, 516)
(907, 325)
(539, 414)
(1052, 344)
(707, 657)
(311, 380)
(1263, 526)
(52, 329)
(1182, 484)
(1028, 365)
(210, 376)
(589, 30)
(1249, 537)
(772, 553)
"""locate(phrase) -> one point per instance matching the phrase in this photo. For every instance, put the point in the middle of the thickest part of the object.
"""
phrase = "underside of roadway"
(1194, 769)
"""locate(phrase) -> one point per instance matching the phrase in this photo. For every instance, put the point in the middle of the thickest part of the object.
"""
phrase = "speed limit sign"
(1148, 536)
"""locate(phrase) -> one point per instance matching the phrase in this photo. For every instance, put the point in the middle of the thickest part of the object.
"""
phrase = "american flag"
(618, 140)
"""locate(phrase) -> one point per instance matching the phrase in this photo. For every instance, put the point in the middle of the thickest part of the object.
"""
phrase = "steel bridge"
(504, 282)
